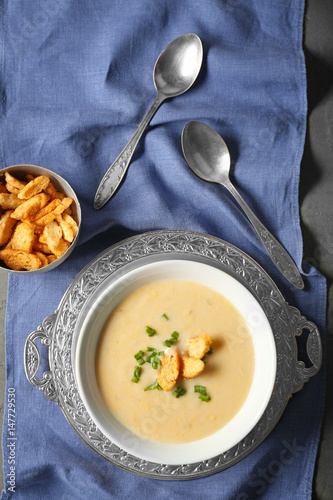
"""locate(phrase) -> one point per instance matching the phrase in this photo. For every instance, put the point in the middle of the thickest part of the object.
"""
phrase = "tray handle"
(32, 359)
(313, 348)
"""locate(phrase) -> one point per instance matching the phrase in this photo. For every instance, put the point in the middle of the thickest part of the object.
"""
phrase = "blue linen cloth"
(76, 78)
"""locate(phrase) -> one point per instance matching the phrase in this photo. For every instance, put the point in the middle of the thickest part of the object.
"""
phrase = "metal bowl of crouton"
(40, 219)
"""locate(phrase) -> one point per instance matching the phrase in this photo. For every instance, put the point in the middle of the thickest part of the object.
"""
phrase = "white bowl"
(264, 371)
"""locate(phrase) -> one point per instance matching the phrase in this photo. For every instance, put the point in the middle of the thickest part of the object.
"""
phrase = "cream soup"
(192, 310)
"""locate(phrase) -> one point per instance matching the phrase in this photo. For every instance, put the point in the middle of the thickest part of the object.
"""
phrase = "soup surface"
(191, 310)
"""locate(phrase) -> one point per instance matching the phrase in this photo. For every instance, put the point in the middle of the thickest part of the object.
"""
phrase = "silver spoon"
(207, 155)
(176, 69)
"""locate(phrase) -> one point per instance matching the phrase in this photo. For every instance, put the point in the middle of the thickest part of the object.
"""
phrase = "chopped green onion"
(139, 355)
(204, 397)
(155, 362)
(160, 353)
(210, 351)
(179, 392)
(153, 386)
(136, 375)
(200, 388)
(204, 359)
(203, 392)
(151, 356)
(165, 316)
(170, 342)
(149, 349)
(141, 361)
(150, 331)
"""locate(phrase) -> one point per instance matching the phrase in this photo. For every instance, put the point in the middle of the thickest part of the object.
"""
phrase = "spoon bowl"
(206, 152)
(178, 65)
(175, 71)
(208, 156)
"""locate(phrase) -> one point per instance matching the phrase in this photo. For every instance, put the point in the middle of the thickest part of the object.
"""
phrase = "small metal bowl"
(20, 172)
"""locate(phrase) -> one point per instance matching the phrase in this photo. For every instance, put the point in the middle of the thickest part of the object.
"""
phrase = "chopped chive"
(149, 349)
(153, 386)
(165, 316)
(179, 392)
(170, 342)
(203, 392)
(136, 375)
(155, 362)
(151, 356)
(150, 331)
(204, 397)
(200, 388)
(141, 361)
(160, 353)
(204, 359)
(210, 351)
(139, 355)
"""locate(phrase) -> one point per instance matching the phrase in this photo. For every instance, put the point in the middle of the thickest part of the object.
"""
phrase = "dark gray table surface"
(316, 189)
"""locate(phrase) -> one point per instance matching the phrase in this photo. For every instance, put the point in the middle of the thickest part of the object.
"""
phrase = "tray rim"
(286, 322)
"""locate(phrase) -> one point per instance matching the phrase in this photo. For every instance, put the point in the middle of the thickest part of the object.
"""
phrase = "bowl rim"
(60, 181)
(264, 370)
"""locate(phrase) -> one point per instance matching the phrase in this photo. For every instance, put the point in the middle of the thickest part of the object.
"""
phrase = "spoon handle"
(275, 250)
(116, 172)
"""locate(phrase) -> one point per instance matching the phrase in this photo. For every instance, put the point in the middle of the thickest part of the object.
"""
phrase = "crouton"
(41, 247)
(42, 258)
(6, 227)
(51, 191)
(198, 346)
(52, 236)
(69, 230)
(9, 201)
(12, 189)
(169, 371)
(19, 260)
(23, 238)
(12, 181)
(191, 367)
(50, 207)
(30, 207)
(33, 187)
(51, 258)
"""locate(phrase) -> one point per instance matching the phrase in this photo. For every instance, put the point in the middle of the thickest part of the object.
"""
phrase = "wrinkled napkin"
(76, 78)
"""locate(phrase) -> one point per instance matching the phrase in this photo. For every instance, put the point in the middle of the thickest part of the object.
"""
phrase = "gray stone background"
(316, 189)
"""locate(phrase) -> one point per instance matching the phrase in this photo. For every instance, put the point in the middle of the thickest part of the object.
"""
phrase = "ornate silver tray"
(59, 332)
